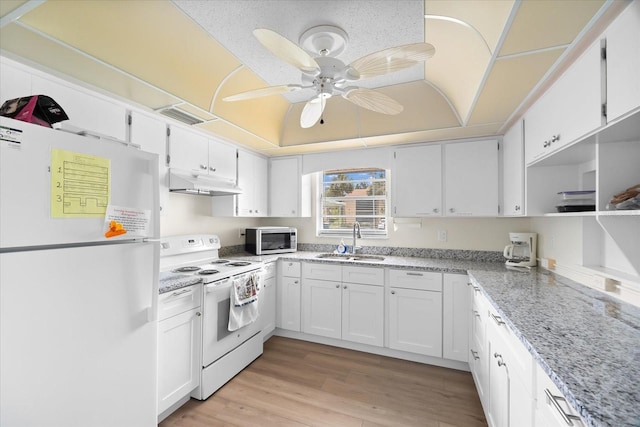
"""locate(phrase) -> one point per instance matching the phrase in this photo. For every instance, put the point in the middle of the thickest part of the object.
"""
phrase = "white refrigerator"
(79, 256)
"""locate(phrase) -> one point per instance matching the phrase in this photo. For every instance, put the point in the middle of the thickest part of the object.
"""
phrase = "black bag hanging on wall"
(39, 109)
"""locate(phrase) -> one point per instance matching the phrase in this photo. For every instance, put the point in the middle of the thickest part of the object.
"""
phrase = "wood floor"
(297, 383)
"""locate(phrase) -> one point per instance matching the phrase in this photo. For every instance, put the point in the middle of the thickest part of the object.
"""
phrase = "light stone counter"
(586, 341)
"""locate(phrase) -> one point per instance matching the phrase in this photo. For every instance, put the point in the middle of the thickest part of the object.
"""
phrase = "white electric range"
(224, 352)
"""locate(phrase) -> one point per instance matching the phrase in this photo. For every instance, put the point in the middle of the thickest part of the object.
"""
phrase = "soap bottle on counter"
(342, 248)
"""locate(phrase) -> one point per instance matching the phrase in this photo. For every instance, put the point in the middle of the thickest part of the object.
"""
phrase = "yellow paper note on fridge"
(80, 185)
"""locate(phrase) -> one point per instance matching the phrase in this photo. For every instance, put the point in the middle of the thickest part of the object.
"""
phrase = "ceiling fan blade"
(312, 112)
(258, 93)
(373, 100)
(286, 50)
(389, 60)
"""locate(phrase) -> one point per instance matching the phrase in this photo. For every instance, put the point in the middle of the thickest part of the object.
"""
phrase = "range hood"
(181, 181)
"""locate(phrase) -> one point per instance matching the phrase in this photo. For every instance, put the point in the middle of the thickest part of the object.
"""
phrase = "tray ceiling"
(492, 59)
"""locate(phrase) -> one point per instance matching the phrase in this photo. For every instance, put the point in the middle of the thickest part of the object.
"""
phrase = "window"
(350, 195)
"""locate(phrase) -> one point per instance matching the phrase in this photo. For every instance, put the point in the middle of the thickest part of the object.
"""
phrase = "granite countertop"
(171, 281)
(587, 342)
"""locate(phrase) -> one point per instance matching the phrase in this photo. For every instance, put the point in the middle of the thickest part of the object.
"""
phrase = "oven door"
(217, 339)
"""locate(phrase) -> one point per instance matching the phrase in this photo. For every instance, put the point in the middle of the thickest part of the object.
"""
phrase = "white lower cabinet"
(502, 368)
(415, 312)
(551, 408)
(343, 302)
(288, 296)
(179, 344)
(455, 317)
(267, 300)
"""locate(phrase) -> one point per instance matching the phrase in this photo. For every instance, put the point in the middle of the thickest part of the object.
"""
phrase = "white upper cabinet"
(417, 181)
(570, 109)
(252, 180)
(471, 178)
(623, 62)
(194, 153)
(222, 161)
(188, 151)
(86, 111)
(289, 190)
(151, 135)
(513, 171)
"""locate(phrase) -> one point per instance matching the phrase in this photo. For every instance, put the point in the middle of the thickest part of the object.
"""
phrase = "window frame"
(367, 233)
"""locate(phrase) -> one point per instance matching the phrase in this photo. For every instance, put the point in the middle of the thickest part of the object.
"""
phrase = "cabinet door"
(570, 109)
(321, 308)
(288, 308)
(417, 181)
(471, 178)
(261, 188)
(623, 62)
(455, 319)
(188, 151)
(85, 110)
(15, 82)
(363, 313)
(267, 307)
(178, 357)
(498, 414)
(151, 135)
(415, 321)
(222, 161)
(245, 201)
(284, 187)
(513, 171)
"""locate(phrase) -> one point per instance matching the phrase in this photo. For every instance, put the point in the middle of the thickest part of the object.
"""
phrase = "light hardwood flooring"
(297, 383)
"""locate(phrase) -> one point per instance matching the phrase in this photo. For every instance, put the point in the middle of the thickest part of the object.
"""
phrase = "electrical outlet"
(442, 235)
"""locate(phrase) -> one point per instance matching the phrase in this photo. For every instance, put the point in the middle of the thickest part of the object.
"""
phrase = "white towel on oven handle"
(243, 308)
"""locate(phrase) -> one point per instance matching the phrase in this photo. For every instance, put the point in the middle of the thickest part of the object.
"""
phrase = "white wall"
(189, 214)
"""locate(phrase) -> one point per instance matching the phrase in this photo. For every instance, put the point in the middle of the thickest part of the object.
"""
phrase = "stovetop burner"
(239, 263)
(207, 272)
(220, 261)
(187, 269)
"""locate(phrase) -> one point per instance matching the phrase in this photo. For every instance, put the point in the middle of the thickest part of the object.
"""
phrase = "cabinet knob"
(436, 210)
(212, 169)
(546, 144)
(393, 292)
(198, 314)
(296, 282)
(345, 286)
(555, 138)
(517, 208)
(203, 167)
(452, 210)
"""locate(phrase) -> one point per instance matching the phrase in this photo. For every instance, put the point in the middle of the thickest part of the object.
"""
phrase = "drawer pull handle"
(498, 319)
(554, 401)
(475, 354)
(414, 274)
(476, 288)
(499, 357)
(476, 313)
(180, 292)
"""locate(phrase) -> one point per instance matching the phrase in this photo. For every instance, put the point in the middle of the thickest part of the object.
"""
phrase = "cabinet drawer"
(519, 357)
(414, 279)
(551, 406)
(179, 301)
(312, 270)
(269, 270)
(363, 275)
(290, 268)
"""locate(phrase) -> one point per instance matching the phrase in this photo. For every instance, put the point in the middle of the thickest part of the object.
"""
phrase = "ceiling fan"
(328, 76)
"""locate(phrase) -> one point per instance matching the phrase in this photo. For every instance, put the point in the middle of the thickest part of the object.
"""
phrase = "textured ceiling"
(492, 58)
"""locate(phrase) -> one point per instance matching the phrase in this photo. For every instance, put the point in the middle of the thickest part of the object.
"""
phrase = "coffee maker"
(521, 253)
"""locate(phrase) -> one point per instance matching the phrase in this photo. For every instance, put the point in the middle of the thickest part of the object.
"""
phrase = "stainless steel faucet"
(356, 235)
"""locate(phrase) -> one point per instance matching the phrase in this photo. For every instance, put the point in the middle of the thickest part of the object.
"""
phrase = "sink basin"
(351, 257)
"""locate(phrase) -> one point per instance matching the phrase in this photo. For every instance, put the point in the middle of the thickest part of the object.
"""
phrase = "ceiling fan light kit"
(328, 75)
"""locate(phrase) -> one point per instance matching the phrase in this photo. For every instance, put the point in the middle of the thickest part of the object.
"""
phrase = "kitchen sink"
(351, 257)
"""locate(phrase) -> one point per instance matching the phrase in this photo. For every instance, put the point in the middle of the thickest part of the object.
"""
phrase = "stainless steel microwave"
(271, 240)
